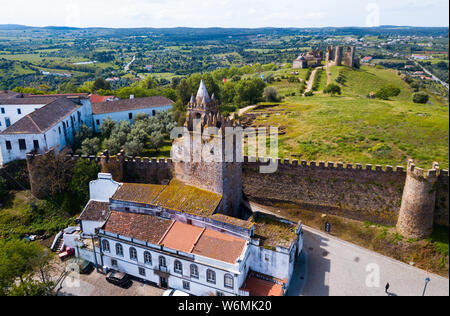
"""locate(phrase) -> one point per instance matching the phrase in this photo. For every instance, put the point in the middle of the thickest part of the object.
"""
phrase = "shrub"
(309, 94)
(387, 91)
(271, 94)
(332, 89)
(420, 97)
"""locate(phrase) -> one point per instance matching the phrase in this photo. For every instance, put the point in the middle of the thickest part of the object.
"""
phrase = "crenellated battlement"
(323, 165)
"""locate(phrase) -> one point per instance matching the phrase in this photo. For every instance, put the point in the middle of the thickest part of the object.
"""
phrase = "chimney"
(131, 96)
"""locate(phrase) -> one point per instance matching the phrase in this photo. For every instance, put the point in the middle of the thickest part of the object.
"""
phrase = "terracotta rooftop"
(95, 211)
(219, 246)
(176, 236)
(182, 237)
(100, 99)
(138, 193)
(130, 104)
(139, 226)
(260, 287)
(189, 199)
(44, 118)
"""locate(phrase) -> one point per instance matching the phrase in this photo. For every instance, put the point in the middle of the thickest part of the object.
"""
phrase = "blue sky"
(224, 13)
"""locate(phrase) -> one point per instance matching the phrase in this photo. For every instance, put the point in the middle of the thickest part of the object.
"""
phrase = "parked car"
(173, 292)
(67, 253)
(84, 266)
(119, 279)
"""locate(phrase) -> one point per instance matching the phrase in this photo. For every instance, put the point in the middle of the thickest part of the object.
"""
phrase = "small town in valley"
(268, 157)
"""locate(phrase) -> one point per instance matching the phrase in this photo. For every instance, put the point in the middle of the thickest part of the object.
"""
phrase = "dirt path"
(311, 80)
(328, 74)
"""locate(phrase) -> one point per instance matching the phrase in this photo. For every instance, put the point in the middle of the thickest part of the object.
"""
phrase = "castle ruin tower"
(338, 55)
(416, 215)
(200, 157)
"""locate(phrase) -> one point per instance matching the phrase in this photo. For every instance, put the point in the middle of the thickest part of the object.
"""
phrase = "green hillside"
(355, 129)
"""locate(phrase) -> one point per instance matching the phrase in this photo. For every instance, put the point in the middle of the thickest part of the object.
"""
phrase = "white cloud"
(224, 13)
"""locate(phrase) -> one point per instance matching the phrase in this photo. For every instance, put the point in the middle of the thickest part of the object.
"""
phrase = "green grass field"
(355, 129)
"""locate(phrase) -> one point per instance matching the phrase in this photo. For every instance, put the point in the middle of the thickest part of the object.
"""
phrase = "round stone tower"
(416, 215)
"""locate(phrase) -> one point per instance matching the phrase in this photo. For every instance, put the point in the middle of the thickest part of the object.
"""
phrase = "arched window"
(105, 245)
(147, 257)
(178, 267)
(133, 253)
(210, 276)
(228, 281)
(162, 261)
(194, 271)
(119, 250)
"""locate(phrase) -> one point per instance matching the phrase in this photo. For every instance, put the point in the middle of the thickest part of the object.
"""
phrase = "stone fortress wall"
(367, 193)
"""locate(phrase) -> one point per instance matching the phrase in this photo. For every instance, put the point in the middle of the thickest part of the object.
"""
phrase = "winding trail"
(310, 84)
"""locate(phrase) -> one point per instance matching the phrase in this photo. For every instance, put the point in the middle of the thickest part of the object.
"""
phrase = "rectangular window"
(19, 111)
(114, 262)
(59, 130)
(219, 293)
(130, 116)
(36, 144)
(22, 144)
(3, 110)
(8, 145)
(7, 122)
(142, 271)
(186, 286)
(153, 113)
(98, 122)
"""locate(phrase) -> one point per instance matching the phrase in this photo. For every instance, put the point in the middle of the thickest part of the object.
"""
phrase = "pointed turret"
(202, 93)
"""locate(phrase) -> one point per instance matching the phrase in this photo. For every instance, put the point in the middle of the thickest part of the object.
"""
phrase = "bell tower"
(201, 156)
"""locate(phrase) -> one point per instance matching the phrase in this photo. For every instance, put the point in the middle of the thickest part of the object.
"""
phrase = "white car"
(173, 292)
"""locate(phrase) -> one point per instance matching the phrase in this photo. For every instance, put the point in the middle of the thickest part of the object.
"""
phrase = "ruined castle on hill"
(337, 57)
(412, 199)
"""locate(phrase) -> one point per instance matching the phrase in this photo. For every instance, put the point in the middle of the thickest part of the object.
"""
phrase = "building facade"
(53, 125)
(126, 110)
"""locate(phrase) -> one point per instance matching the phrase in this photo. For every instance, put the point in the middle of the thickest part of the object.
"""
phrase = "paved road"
(337, 268)
(432, 76)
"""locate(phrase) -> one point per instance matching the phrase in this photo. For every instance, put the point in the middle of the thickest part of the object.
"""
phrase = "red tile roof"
(100, 99)
(260, 287)
(219, 246)
(139, 226)
(177, 236)
(182, 237)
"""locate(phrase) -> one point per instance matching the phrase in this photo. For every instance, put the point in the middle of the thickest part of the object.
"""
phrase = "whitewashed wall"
(124, 115)
(12, 114)
(198, 286)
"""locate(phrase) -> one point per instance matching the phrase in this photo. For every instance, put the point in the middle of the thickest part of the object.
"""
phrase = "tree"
(102, 84)
(107, 127)
(24, 269)
(271, 94)
(90, 146)
(84, 172)
(332, 89)
(156, 140)
(420, 97)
